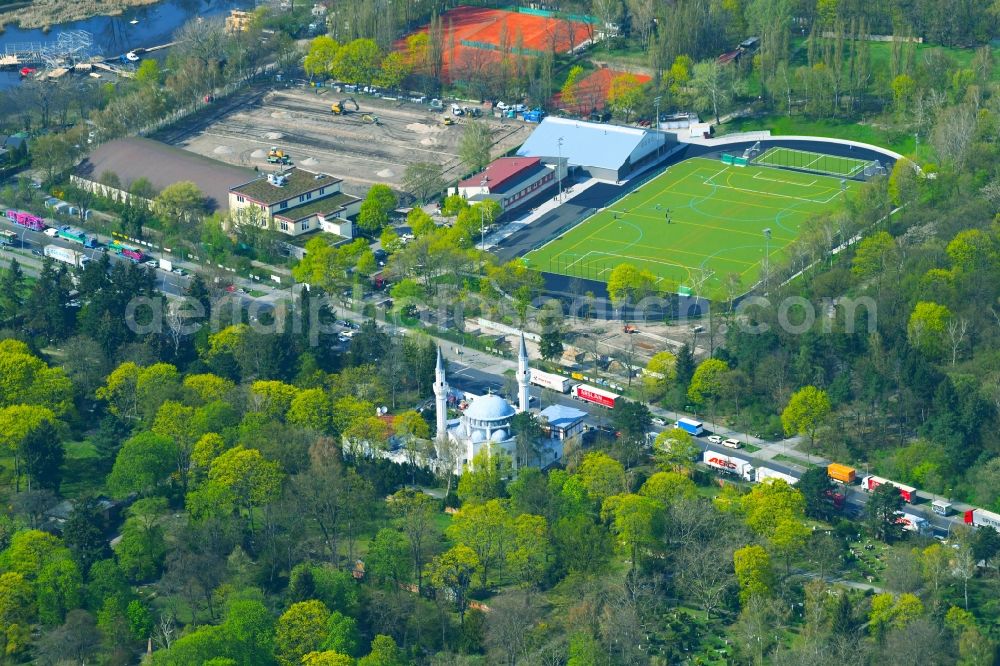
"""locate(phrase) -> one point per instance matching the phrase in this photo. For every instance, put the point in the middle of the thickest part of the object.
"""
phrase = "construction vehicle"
(447, 120)
(340, 108)
(277, 156)
(371, 118)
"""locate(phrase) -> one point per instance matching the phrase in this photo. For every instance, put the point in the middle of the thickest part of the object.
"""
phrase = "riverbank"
(47, 13)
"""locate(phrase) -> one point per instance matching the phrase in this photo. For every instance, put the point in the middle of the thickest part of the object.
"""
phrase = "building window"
(309, 195)
(304, 226)
(239, 197)
(284, 205)
(283, 225)
(302, 198)
(322, 190)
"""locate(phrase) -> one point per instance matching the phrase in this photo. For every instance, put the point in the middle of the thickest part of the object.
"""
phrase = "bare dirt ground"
(300, 122)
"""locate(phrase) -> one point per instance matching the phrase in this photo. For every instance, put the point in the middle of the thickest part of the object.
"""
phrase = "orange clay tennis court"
(477, 29)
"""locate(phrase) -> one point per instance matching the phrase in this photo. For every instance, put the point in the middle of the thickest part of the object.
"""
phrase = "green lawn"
(717, 216)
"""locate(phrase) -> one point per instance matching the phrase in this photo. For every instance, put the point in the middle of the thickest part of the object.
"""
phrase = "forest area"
(217, 497)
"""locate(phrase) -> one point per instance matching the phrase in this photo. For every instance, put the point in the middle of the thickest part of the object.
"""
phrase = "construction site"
(363, 139)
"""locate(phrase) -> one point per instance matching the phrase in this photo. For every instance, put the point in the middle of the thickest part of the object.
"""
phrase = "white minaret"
(523, 378)
(441, 398)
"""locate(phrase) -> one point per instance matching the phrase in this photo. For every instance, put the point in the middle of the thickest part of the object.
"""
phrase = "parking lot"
(300, 122)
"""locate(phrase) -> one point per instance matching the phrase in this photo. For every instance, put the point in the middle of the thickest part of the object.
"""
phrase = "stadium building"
(607, 152)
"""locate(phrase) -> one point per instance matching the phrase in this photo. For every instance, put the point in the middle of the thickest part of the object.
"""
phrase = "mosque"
(485, 423)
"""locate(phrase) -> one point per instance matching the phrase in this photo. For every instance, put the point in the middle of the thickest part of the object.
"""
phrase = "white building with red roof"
(513, 181)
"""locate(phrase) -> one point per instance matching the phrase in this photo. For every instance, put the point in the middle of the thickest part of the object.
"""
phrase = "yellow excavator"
(277, 156)
(340, 108)
(371, 118)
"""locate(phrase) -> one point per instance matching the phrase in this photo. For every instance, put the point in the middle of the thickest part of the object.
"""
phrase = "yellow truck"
(841, 473)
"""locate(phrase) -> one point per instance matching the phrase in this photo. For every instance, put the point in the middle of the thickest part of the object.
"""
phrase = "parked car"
(732, 444)
(658, 421)
(715, 439)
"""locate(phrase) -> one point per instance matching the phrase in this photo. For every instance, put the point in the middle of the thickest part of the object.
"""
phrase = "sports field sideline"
(700, 219)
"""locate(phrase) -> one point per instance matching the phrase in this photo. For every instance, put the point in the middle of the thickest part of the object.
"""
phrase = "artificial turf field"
(717, 216)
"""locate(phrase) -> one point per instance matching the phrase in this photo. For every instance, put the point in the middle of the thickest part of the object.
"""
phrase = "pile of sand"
(309, 161)
(223, 150)
(274, 136)
(385, 173)
(259, 154)
(420, 128)
(428, 141)
(279, 114)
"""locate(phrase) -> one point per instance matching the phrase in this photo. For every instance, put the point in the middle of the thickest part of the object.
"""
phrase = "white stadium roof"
(590, 144)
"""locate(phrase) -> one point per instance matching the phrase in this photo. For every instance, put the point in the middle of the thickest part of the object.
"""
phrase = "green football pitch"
(699, 221)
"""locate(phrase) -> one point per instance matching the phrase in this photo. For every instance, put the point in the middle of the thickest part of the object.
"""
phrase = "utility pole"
(656, 102)
(482, 225)
(559, 173)
(767, 256)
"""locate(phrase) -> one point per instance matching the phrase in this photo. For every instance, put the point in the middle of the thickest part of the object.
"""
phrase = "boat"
(132, 56)
(133, 21)
(27, 71)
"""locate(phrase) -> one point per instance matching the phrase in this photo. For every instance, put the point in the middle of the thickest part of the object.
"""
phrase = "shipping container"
(841, 473)
(729, 464)
(982, 518)
(65, 255)
(765, 473)
(690, 426)
(551, 381)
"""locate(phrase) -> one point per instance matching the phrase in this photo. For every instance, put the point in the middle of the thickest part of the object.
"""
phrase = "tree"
(927, 328)
(753, 572)
(394, 69)
(83, 533)
(567, 93)
(486, 529)
(387, 558)
(629, 285)
(451, 572)
(327, 658)
(415, 512)
(624, 95)
(58, 590)
(769, 503)
(17, 423)
(485, 478)
(357, 61)
(713, 86)
(675, 450)
(43, 454)
(602, 476)
(529, 556)
(661, 371)
(474, 147)
(884, 504)
(637, 520)
(148, 74)
(375, 209)
(300, 630)
(341, 634)
(707, 382)
(669, 488)
(528, 433)
(239, 479)
(181, 205)
(321, 56)
(423, 180)
(53, 153)
(143, 462)
(16, 612)
(384, 652)
(551, 346)
(816, 488)
(311, 409)
(807, 411)
(632, 419)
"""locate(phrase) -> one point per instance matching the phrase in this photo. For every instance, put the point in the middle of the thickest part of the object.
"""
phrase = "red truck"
(982, 518)
(871, 482)
(595, 395)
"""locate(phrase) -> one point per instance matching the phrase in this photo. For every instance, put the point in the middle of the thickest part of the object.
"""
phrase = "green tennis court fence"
(845, 167)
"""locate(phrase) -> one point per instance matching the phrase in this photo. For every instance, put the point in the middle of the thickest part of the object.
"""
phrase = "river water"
(115, 35)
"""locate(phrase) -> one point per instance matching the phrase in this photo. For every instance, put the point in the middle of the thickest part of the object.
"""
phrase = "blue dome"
(489, 408)
(499, 435)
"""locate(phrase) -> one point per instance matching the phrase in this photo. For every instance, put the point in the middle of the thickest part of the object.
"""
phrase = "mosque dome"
(489, 408)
